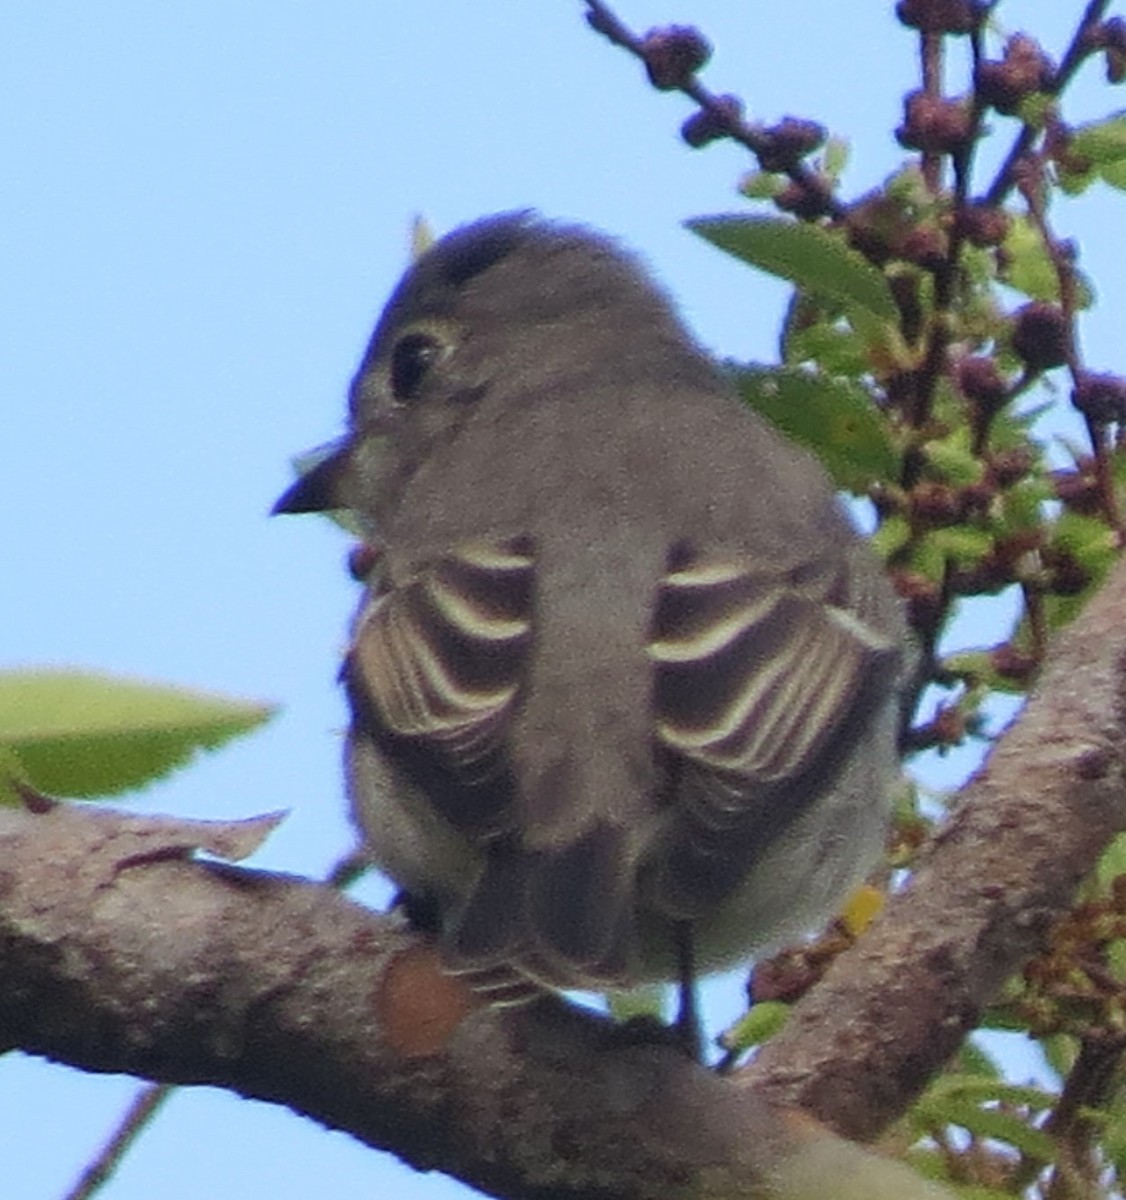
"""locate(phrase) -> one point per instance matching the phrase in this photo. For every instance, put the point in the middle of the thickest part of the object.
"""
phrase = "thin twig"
(602, 19)
(145, 1105)
(1074, 57)
(1062, 258)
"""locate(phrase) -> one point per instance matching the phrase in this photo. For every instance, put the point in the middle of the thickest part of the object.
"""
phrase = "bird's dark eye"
(411, 358)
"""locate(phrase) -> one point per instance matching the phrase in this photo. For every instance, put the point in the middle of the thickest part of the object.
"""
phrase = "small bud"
(785, 977)
(904, 287)
(1015, 546)
(886, 500)
(949, 725)
(923, 598)
(938, 16)
(788, 142)
(703, 126)
(977, 498)
(1115, 65)
(981, 382)
(982, 225)
(1100, 397)
(1008, 467)
(1111, 35)
(999, 567)
(1040, 336)
(935, 504)
(1023, 70)
(1014, 664)
(867, 239)
(1068, 576)
(807, 198)
(934, 124)
(988, 576)
(1077, 491)
(674, 54)
(926, 247)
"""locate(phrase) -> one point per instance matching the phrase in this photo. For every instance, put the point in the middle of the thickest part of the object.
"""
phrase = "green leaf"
(835, 349)
(1022, 505)
(928, 557)
(1101, 141)
(1116, 958)
(647, 1000)
(1093, 543)
(954, 459)
(1035, 109)
(964, 544)
(954, 1106)
(834, 158)
(835, 418)
(1075, 181)
(1114, 1132)
(1114, 173)
(1112, 863)
(1030, 270)
(976, 1060)
(982, 1089)
(811, 258)
(891, 536)
(761, 185)
(82, 733)
(762, 1022)
(1060, 1051)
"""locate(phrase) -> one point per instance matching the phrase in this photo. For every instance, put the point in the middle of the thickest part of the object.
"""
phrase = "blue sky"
(205, 206)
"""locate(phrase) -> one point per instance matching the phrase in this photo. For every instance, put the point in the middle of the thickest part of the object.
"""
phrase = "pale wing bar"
(441, 658)
(754, 676)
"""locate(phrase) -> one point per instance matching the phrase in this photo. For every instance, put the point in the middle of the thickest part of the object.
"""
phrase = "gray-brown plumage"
(625, 671)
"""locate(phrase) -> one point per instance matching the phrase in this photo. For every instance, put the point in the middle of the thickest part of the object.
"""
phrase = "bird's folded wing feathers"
(755, 676)
(441, 657)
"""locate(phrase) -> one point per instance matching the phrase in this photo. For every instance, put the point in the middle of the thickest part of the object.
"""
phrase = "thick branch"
(118, 953)
(1026, 830)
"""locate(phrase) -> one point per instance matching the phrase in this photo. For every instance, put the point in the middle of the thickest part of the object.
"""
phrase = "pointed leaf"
(82, 733)
(834, 418)
(1030, 269)
(646, 1000)
(1114, 173)
(811, 258)
(1101, 141)
(758, 1025)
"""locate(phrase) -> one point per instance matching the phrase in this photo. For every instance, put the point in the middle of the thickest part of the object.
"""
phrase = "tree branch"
(1026, 829)
(118, 952)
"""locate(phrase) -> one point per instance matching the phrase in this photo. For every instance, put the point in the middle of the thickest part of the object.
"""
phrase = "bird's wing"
(435, 673)
(434, 669)
(762, 683)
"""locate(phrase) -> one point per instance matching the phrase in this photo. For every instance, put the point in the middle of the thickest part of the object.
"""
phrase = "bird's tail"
(560, 916)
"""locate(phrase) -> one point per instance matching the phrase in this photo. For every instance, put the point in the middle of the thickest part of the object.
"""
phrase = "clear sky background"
(205, 205)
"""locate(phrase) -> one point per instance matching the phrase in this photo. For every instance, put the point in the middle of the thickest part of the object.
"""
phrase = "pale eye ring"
(411, 359)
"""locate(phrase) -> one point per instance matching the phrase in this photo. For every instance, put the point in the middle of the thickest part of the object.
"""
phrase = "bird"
(622, 679)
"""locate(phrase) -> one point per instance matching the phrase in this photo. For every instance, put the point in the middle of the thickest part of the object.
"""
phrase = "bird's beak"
(320, 489)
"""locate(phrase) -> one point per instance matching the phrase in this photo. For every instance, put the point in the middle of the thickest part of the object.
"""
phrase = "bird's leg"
(688, 1029)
